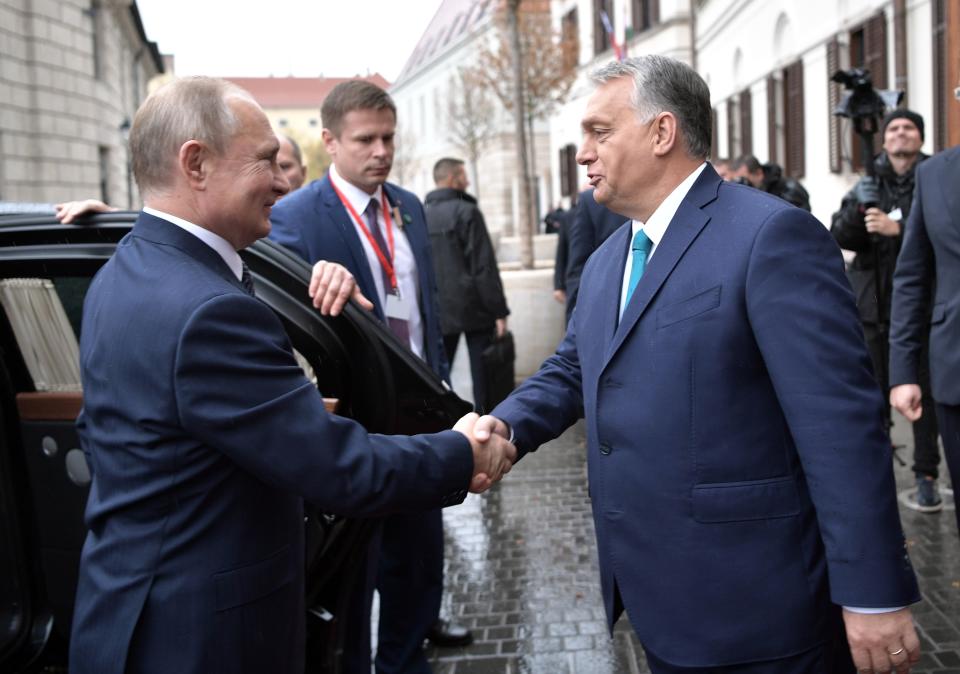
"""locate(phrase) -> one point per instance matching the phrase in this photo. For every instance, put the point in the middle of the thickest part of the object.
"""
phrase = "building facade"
(769, 64)
(427, 93)
(73, 73)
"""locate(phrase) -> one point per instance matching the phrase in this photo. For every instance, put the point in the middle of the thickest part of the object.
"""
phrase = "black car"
(360, 368)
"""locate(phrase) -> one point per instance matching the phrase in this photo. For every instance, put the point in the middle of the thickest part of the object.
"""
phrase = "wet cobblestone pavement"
(522, 574)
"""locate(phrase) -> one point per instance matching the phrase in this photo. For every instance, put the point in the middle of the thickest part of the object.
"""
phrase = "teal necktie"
(641, 248)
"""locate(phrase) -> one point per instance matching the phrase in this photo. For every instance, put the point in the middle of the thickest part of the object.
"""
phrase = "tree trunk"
(525, 226)
(534, 182)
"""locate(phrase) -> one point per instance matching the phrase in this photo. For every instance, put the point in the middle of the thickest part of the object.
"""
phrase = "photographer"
(770, 179)
(870, 223)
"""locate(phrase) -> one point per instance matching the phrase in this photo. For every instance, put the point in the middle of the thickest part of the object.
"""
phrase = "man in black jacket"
(769, 178)
(870, 223)
(470, 292)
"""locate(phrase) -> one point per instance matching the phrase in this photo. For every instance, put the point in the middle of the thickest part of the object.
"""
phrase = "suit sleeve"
(805, 323)
(240, 391)
(431, 294)
(286, 226)
(547, 403)
(581, 242)
(562, 257)
(912, 292)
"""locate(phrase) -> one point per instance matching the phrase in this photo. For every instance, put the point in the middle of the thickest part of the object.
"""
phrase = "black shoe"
(445, 634)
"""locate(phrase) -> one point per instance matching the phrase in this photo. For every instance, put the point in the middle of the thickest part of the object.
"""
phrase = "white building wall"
(771, 34)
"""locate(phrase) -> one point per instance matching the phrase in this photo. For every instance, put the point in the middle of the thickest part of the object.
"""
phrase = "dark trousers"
(405, 564)
(949, 417)
(926, 451)
(832, 657)
(476, 343)
(410, 582)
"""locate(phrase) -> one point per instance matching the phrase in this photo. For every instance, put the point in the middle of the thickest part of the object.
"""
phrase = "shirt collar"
(353, 194)
(223, 247)
(656, 226)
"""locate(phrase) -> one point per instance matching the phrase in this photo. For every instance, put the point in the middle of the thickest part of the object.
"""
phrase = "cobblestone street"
(522, 573)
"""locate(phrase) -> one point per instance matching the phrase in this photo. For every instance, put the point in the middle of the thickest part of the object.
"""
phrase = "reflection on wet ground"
(521, 572)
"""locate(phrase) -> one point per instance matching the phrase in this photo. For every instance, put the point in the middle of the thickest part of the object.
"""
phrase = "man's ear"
(193, 162)
(666, 131)
(329, 141)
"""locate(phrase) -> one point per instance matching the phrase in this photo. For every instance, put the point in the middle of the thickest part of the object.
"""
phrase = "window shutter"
(732, 149)
(834, 92)
(940, 98)
(875, 49)
(794, 127)
(746, 123)
(772, 119)
(714, 146)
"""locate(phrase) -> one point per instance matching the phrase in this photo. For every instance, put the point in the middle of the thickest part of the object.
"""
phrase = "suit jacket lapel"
(610, 276)
(687, 223)
(348, 233)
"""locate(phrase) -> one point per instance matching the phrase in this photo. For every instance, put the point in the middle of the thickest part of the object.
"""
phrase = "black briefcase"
(498, 369)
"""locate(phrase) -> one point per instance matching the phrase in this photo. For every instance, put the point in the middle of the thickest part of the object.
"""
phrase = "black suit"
(929, 268)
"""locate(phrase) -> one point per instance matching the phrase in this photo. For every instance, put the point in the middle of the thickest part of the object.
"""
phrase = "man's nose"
(280, 182)
(585, 154)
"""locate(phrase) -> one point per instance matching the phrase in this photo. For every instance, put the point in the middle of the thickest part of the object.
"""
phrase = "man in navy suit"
(592, 225)
(928, 272)
(377, 230)
(202, 433)
(741, 480)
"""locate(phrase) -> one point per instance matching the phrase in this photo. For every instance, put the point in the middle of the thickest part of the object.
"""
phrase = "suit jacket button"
(605, 449)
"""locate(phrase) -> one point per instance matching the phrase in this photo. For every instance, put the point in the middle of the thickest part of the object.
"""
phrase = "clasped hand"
(493, 454)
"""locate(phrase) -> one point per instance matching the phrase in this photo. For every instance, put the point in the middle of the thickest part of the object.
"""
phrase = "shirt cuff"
(870, 611)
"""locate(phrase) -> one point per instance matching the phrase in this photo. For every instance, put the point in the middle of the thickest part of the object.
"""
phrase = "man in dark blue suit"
(202, 433)
(928, 272)
(591, 225)
(741, 480)
(377, 230)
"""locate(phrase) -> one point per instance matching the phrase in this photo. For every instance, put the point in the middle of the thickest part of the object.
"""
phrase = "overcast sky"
(306, 38)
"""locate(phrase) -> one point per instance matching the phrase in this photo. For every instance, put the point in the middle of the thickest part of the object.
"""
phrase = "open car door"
(360, 368)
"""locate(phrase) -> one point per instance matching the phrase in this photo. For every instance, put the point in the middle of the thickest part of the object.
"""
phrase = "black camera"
(862, 103)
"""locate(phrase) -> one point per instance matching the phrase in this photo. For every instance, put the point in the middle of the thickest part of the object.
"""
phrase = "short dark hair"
(752, 163)
(444, 168)
(353, 95)
(664, 84)
(296, 147)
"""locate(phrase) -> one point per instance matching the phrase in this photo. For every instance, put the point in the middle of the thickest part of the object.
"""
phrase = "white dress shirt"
(656, 226)
(223, 247)
(404, 264)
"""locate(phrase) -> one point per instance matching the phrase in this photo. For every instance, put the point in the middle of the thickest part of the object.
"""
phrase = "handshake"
(493, 454)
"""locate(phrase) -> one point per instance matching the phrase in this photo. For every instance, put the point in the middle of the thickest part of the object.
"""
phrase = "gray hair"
(663, 84)
(189, 108)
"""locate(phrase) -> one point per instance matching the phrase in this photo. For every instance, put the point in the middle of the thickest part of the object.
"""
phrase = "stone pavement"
(522, 573)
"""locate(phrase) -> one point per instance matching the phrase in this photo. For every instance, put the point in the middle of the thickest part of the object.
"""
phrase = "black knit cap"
(903, 113)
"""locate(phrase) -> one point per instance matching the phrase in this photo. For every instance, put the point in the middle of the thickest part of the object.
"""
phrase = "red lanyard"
(384, 261)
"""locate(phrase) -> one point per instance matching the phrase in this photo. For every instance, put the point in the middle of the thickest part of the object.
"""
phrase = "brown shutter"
(834, 92)
(900, 47)
(794, 165)
(654, 11)
(746, 123)
(600, 40)
(772, 119)
(564, 173)
(714, 147)
(875, 50)
(732, 149)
